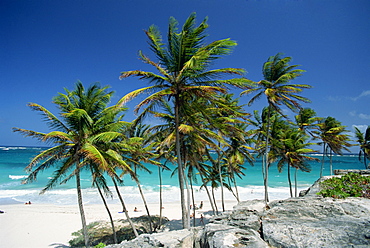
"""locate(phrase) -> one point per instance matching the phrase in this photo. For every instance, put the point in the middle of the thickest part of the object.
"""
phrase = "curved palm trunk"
(331, 162)
(236, 194)
(187, 203)
(146, 206)
(265, 179)
(290, 182)
(221, 185)
(82, 213)
(109, 213)
(193, 200)
(160, 197)
(208, 194)
(295, 182)
(125, 209)
(184, 212)
(214, 199)
(323, 159)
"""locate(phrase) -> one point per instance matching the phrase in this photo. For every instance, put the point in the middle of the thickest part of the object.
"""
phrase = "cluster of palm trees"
(204, 130)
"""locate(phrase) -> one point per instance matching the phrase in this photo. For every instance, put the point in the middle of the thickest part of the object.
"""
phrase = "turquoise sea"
(13, 160)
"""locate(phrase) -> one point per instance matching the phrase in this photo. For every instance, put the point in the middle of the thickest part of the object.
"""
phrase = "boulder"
(317, 222)
(170, 239)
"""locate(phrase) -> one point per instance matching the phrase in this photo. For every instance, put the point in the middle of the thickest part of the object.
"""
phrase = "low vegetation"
(349, 185)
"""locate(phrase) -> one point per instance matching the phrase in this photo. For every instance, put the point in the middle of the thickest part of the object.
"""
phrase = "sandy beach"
(42, 226)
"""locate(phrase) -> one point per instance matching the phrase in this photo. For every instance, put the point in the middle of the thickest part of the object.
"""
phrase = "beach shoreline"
(51, 226)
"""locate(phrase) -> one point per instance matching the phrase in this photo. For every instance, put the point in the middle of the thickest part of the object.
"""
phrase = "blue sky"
(46, 46)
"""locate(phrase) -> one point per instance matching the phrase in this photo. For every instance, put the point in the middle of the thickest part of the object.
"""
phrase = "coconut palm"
(363, 140)
(292, 149)
(79, 139)
(236, 154)
(183, 68)
(306, 120)
(278, 89)
(331, 132)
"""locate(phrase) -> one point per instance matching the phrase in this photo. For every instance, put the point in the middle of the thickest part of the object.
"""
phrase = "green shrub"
(349, 185)
(100, 245)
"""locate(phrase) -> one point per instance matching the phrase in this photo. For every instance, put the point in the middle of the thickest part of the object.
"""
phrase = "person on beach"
(201, 205)
(201, 219)
(28, 203)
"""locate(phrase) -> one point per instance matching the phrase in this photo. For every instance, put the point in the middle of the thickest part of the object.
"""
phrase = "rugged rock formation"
(317, 222)
(307, 221)
(295, 222)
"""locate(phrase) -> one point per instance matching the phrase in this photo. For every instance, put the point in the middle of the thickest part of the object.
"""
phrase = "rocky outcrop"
(171, 239)
(295, 222)
(343, 172)
(320, 222)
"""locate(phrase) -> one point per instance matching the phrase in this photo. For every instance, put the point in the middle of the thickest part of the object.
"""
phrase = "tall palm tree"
(278, 89)
(306, 120)
(183, 68)
(79, 138)
(363, 140)
(331, 132)
(292, 148)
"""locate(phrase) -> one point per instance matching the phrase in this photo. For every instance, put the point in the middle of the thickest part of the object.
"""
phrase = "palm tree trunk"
(295, 182)
(160, 197)
(221, 185)
(290, 182)
(193, 200)
(331, 162)
(146, 206)
(208, 194)
(323, 159)
(236, 189)
(265, 179)
(109, 213)
(187, 203)
(125, 209)
(214, 199)
(80, 205)
(184, 212)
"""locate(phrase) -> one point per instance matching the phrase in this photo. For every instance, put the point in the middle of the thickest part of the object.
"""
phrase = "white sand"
(42, 226)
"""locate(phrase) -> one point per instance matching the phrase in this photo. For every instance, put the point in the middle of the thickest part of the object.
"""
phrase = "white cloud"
(334, 98)
(363, 94)
(364, 116)
(359, 115)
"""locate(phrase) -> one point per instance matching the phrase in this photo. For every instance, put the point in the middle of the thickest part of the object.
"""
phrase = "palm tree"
(363, 140)
(183, 68)
(306, 120)
(236, 155)
(278, 89)
(331, 134)
(79, 138)
(140, 152)
(292, 148)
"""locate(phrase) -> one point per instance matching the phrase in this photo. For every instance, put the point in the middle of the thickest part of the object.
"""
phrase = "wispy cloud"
(359, 115)
(364, 116)
(363, 94)
(341, 98)
(335, 98)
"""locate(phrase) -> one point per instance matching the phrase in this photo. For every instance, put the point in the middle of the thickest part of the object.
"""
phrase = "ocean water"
(13, 161)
